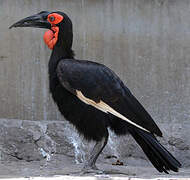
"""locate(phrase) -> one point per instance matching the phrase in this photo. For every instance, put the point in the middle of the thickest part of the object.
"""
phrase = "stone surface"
(61, 166)
(37, 141)
(146, 42)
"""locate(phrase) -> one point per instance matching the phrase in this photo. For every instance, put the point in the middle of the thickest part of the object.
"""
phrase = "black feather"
(97, 82)
(156, 153)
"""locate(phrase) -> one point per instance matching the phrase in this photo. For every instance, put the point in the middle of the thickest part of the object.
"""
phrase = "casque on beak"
(38, 21)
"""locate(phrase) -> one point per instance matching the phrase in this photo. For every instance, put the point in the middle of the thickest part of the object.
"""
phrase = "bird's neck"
(58, 53)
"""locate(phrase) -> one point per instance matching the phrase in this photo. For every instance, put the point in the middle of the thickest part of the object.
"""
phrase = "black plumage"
(92, 97)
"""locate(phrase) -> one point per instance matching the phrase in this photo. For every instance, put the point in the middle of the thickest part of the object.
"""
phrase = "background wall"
(146, 42)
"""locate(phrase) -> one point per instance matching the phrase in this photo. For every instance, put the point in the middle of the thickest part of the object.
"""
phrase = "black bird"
(92, 97)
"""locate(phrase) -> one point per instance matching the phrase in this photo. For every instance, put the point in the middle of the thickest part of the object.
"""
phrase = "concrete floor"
(64, 167)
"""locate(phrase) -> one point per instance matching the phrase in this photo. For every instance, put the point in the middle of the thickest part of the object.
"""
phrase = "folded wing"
(98, 86)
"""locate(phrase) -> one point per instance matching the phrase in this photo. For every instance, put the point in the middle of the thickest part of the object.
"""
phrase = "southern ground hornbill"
(92, 97)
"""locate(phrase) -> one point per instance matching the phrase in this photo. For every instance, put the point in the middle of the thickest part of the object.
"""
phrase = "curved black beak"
(38, 20)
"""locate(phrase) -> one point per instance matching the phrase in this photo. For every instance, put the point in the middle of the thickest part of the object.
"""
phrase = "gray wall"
(146, 42)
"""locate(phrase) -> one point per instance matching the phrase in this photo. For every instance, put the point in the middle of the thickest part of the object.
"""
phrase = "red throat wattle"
(51, 37)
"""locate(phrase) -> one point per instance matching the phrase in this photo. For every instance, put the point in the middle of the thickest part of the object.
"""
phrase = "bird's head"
(59, 25)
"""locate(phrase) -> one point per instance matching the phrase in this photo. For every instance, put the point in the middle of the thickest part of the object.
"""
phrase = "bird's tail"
(161, 159)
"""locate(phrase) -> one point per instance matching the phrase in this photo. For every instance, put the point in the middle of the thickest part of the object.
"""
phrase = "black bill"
(38, 20)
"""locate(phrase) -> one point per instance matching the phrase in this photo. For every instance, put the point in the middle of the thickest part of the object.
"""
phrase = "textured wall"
(146, 42)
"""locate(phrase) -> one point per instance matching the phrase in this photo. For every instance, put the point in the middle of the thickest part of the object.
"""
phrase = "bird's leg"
(89, 165)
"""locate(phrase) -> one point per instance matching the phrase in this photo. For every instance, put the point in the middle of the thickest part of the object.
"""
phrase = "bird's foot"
(87, 169)
(91, 170)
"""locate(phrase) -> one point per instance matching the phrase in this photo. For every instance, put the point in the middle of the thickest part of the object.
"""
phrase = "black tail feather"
(161, 159)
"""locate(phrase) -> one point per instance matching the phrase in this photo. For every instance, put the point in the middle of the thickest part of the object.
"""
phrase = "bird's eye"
(54, 18)
(51, 18)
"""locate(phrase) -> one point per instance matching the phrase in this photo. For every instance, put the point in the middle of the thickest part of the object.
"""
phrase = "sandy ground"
(63, 166)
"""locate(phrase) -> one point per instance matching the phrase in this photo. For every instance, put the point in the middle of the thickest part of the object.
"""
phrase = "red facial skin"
(51, 36)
